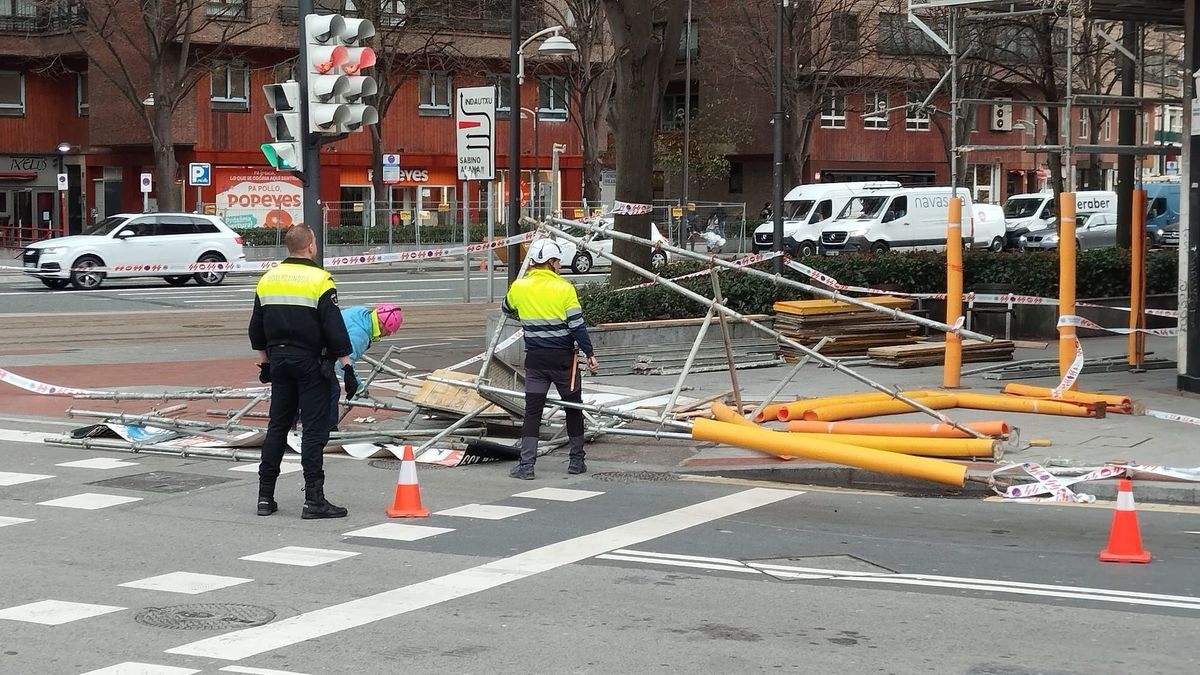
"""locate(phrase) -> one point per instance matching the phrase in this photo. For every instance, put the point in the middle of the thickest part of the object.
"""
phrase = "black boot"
(316, 506)
(266, 499)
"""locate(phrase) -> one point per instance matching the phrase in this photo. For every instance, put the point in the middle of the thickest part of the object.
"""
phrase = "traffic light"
(336, 85)
(285, 153)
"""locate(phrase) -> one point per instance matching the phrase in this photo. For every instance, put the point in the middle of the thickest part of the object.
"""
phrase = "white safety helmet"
(544, 250)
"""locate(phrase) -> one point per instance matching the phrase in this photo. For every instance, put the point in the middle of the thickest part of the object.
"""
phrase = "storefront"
(29, 199)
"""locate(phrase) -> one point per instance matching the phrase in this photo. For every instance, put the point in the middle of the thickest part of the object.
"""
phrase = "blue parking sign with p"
(200, 174)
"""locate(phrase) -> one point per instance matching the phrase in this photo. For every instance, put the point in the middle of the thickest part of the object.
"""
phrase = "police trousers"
(298, 384)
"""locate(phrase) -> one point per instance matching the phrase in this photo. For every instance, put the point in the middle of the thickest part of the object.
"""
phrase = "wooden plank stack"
(852, 330)
(934, 353)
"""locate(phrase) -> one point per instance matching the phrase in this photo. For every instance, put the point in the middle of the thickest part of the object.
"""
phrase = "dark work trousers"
(297, 382)
(543, 367)
(335, 411)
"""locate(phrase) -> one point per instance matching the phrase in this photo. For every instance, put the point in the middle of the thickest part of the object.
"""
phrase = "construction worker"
(552, 320)
(299, 334)
(365, 326)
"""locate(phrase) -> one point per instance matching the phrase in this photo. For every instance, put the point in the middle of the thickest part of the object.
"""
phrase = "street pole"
(310, 149)
(535, 196)
(687, 121)
(777, 121)
(514, 143)
(1126, 135)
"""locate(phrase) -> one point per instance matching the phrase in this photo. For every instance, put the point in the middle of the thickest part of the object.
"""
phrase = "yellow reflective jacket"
(295, 306)
(549, 310)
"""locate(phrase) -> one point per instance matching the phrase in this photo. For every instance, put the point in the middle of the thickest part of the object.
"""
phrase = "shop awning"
(18, 175)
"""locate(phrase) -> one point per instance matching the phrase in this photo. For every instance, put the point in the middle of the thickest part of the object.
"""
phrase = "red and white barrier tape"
(1080, 322)
(1174, 417)
(46, 389)
(1072, 373)
(630, 209)
(1059, 486)
(504, 344)
(746, 261)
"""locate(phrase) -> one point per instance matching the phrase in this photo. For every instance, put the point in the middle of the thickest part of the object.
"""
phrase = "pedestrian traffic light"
(336, 85)
(284, 126)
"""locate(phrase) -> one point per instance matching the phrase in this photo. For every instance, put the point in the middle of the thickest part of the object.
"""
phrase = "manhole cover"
(162, 481)
(781, 567)
(204, 616)
(394, 465)
(635, 476)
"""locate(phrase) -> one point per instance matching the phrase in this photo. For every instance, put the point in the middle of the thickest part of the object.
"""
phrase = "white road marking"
(929, 580)
(1191, 532)
(483, 511)
(55, 612)
(6, 521)
(189, 583)
(318, 623)
(257, 671)
(137, 668)
(398, 532)
(300, 556)
(102, 463)
(15, 436)
(8, 478)
(558, 494)
(284, 468)
(90, 501)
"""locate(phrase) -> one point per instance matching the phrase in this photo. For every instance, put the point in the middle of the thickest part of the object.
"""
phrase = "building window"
(435, 92)
(12, 93)
(875, 114)
(673, 115)
(552, 99)
(81, 93)
(833, 110)
(501, 81)
(917, 116)
(230, 9)
(843, 32)
(1107, 126)
(230, 87)
(1083, 123)
(736, 178)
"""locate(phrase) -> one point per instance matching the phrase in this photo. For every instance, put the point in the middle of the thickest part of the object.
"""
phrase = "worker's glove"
(350, 379)
(264, 372)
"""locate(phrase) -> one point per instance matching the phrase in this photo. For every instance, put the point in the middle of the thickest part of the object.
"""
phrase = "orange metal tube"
(952, 366)
(1023, 405)
(1137, 281)
(853, 411)
(1115, 402)
(724, 413)
(796, 409)
(921, 447)
(1066, 281)
(932, 430)
(824, 450)
(769, 413)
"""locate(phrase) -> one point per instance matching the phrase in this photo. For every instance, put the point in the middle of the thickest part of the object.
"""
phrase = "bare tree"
(718, 129)
(645, 37)
(589, 75)
(1096, 72)
(160, 48)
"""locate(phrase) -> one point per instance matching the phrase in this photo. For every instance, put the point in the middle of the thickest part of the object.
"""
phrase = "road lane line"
(319, 623)
(16, 436)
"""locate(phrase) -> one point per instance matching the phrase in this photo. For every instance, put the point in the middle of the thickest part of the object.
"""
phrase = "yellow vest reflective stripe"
(290, 284)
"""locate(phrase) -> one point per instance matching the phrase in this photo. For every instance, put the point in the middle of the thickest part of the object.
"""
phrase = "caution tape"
(1080, 322)
(1072, 373)
(1059, 487)
(43, 388)
(504, 344)
(1174, 417)
(752, 259)
(630, 209)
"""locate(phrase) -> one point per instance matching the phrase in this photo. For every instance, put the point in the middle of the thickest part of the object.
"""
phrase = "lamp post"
(534, 199)
(777, 122)
(555, 45)
(63, 216)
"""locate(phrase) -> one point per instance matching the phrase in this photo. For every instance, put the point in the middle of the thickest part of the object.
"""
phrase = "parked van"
(806, 210)
(1038, 211)
(1162, 213)
(988, 227)
(906, 218)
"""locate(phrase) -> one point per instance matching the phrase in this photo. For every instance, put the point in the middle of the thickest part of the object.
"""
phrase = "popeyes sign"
(252, 197)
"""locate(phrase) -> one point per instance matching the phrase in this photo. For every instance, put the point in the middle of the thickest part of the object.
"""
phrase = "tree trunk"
(165, 165)
(802, 127)
(595, 103)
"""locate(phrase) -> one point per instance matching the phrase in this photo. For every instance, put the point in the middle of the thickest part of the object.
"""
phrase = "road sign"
(62, 182)
(391, 169)
(476, 133)
(199, 174)
(147, 183)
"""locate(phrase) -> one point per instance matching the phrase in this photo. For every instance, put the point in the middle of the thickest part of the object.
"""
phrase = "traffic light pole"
(310, 146)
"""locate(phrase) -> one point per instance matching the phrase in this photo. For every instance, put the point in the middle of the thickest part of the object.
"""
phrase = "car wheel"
(177, 281)
(84, 275)
(879, 247)
(658, 259)
(805, 249)
(582, 263)
(997, 245)
(210, 278)
(56, 284)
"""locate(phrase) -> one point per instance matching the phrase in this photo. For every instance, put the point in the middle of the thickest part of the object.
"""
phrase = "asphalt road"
(400, 285)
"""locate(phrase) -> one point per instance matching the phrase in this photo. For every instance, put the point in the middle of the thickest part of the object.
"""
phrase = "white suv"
(136, 245)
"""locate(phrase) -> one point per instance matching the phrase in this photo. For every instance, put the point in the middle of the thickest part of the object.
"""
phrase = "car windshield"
(797, 210)
(1021, 208)
(863, 208)
(106, 226)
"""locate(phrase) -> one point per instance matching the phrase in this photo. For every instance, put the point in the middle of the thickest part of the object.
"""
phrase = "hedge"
(350, 235)
(1100, 273)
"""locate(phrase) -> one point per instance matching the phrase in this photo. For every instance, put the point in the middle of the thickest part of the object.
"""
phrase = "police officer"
(299, 333)
(552, 322)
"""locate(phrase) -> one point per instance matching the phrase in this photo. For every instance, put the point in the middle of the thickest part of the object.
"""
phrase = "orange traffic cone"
(1125, 540)
(407, 502)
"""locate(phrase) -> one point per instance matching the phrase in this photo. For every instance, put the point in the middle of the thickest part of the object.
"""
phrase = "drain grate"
(394, 465)
(162, 481)
(204, 616)
(635, 476)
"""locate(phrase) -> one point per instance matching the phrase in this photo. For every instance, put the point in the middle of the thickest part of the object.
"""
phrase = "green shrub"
(1100, 273)
(352, 235)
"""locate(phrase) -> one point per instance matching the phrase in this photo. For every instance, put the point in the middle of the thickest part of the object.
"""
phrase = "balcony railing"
(30, 16)
(453, 16)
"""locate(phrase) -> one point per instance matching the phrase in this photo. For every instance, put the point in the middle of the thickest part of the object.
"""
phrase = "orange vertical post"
(1137, 281)
(1066, 280)
(952, 369)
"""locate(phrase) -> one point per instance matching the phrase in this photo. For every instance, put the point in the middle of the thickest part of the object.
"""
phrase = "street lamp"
(777, 138)
(63, 148)
(555, 45)
(535, 197)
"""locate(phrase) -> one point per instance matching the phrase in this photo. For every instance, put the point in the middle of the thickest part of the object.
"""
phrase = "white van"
(1038, 211)
(988, 227)
(908, 218)
(806, 210)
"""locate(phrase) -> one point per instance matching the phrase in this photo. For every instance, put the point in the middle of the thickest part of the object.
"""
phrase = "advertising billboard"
(258, 197)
